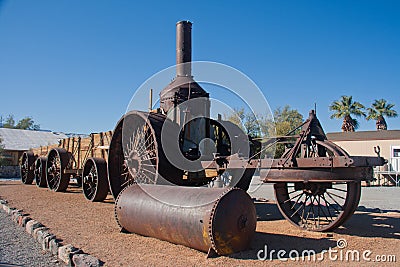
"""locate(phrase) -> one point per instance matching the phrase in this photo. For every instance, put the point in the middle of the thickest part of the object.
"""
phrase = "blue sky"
(74, 65)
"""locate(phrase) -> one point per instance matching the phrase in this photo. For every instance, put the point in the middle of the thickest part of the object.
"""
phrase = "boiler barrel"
(221, 219)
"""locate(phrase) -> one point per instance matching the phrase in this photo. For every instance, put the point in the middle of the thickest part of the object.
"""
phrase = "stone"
(10, 171)
(32, 225)
(12, 213)
(20, 220)
(54, 244)
(65, 253)
(85, 260)
(3, 201)
(15, 214)
(37, 230)
(9, 210)
(23, 220)
(41, 235)
(46, 242)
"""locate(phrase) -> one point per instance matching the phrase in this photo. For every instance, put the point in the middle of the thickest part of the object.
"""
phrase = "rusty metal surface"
(317, 206)
(317, 175)
(183, 87)
(40, 171)
(151, 166)
(94, 179)
(320, 162)
(183, 48)
(27, 167)
(226, 221)
(311, 158)
(57, 162)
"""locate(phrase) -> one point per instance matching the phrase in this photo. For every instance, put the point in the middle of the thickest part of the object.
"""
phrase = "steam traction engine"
(317, 184)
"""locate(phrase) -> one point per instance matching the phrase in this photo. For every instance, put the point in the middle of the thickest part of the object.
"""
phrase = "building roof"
(21, 140)
(364, 135)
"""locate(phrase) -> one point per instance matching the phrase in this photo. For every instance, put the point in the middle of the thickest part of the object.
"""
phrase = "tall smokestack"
(184, 48)
(183, 87)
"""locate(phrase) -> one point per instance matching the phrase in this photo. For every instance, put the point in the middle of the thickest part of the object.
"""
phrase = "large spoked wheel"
(57, 160)
(94, 182)
(26, 167)
(135, 154)
(317, 206)
(40, 172)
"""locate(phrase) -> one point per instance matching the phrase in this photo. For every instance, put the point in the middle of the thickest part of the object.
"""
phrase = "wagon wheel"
(57, 160)
(27, 161)
(94, 182)
(135, 155)
(318, 206)
(40, 172)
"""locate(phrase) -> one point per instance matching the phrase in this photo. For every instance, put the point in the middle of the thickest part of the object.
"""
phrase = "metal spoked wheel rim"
(141, 157)
(133, 156)
(90, 179)
(40, 172)
(94, 181)
(317, 206)
(57, 180)
(27, 161)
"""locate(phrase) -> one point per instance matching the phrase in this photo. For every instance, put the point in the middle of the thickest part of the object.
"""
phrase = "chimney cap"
(184, 22)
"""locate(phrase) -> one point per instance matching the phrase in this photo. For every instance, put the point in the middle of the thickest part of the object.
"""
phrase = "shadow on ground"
(367, 222)
(267, 211)
(266, 243)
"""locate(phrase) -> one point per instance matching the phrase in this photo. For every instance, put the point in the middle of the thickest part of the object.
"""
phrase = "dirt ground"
(92, 227)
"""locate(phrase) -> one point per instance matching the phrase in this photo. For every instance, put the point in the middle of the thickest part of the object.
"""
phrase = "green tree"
(10, 122)
(237, 117)
(344, 109)
(289, 115)
(379, 109)
(247, 121)
(286, 119)
(2, 160)
(27, 123)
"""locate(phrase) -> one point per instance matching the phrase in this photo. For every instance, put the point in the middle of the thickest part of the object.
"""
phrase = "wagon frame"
(83, 159)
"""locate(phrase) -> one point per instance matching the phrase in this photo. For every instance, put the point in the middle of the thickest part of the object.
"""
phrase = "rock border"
(67, 253)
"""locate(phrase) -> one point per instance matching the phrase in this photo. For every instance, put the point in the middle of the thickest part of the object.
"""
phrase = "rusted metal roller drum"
(213, 220)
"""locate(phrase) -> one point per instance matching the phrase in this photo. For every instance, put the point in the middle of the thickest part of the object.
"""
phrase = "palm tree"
(379, 109)
(344, 108)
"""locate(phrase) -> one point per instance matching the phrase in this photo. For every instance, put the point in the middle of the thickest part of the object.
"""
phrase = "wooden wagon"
(83, 159)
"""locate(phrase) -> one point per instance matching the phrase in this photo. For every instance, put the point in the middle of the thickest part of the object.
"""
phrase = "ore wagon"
(81, 159)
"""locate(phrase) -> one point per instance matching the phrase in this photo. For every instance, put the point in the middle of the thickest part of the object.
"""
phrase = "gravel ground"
(18, 248)
(92, 227)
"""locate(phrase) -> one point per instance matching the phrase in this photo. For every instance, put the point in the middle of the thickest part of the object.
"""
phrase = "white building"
(16, 141)
(366, 143)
